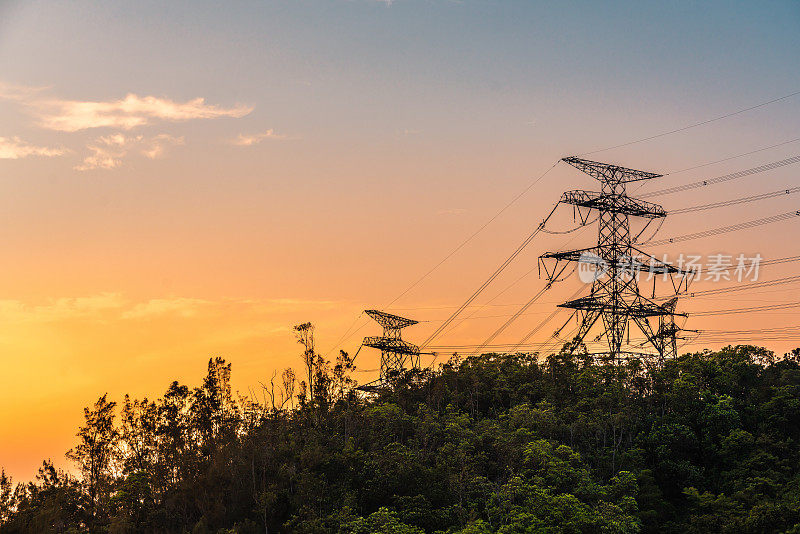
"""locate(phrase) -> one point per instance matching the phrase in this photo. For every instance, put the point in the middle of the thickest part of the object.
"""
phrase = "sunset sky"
(183, 180)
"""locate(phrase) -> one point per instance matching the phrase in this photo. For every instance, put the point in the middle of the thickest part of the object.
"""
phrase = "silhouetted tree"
(96, 454)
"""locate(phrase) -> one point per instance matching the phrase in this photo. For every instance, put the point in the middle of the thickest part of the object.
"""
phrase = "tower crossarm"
(387, 320)
(636, 309)
(614, 204)
(656, 266)
(387, 344)
(606, 172)
(571, 255)
(640, 263)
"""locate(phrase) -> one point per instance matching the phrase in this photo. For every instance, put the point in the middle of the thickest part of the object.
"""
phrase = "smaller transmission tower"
(395, 352)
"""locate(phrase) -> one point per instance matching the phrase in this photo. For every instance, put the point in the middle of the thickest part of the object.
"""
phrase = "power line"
(489, 302)
(726, 229)
(454, 307)
(724, 178)
(727, 340)
(735, 201)
(750, 309)
(495, 316)
(788, 333)
(472, 236)
(796, 139)
(488, 281)
(693, 185)
(515, 316)
(515, 282)
(774, 261)
(753, 330)
(552, 342)
(335, 345)
(693, 294)
(546, 320)
(474, 346)
(694, 125)
(541, 324)
(745, 287)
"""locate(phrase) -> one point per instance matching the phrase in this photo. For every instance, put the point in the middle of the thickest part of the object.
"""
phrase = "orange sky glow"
(191, 181)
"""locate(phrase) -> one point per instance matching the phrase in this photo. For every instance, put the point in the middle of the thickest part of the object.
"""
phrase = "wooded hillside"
(496, 443)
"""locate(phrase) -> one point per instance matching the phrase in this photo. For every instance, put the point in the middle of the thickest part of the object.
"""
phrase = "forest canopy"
(505, 443)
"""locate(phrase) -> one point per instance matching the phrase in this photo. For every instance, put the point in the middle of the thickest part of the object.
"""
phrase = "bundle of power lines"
(788, 332)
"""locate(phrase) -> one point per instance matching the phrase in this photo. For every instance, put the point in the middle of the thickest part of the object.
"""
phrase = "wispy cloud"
(108, 152)
(155, 147)
(130, 112)
(177, 306)
(10, 91)
(91, 306)
(115, 306)
(15, 148)
(254, 139)
(126, 113)
(133, 111)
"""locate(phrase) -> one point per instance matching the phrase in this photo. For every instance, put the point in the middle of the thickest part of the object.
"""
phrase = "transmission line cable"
(796, 139)
(694, 125)
(546, 320)
(555, 338)
(498, 295)
(488, 281)
(515, 316)
(515, 282)
(741, 287)
(538, 327)
(774, 261)
(473, 235)
(735, 201)
(750, 309)
(335, 345)
(693, 185)
(723, 178)
(726, 229)
(488, 303)
(753, 330)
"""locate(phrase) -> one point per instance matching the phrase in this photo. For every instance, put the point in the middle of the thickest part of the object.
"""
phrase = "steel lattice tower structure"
(615, 299)
(395, 352)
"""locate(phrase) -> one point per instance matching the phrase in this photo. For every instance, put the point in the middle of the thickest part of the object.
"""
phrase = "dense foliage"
(496, 443)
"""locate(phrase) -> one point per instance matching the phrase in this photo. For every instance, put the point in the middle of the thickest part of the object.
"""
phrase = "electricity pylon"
(615, 295)
(395, 352)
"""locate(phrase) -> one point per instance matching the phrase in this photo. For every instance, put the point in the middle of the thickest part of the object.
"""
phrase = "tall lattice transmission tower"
(395, 353)
(616, 300)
